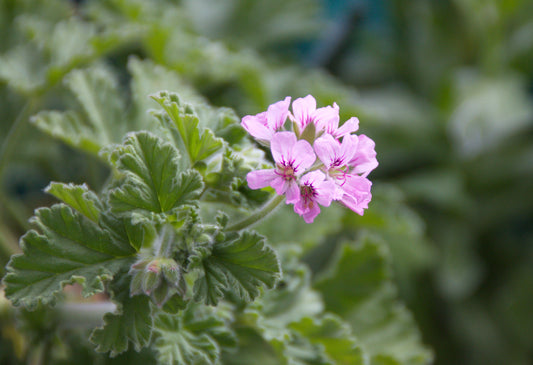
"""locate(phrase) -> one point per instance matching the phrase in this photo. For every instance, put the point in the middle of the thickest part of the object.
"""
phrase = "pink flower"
(292, 158)
(364, 159)
(335, 155)
(351, 190)
(326, 119)
(356, 193)
(304, 112)
(314, 190)
(263, 125)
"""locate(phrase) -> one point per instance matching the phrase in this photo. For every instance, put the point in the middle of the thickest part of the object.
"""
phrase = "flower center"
(307, 193)
(286, 171)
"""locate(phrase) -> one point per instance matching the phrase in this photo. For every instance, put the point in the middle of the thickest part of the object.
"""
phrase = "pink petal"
(292, 193)
(277, 114)
(327, 118)
(326, 148)
(364, 160)
(350, 126)
(256, 128)
(279, 184)
(313, 178)
(303, 156)
(260, 178)
(281, 145)
(325, 192)
(303, 109)
(348, 147)
(356, 193)
(310, 214)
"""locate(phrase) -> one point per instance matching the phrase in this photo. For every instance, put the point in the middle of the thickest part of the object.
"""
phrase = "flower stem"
(258, 215)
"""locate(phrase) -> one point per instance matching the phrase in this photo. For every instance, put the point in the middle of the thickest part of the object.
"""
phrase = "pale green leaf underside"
(242, 266)
(153, 177)
(360, 290)
(68, 248)
(78, 197)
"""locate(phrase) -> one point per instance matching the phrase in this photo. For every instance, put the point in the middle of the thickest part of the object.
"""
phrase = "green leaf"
(78, 197)
(358, 287)
(23, 68)
(277, 316)
(131, 322)
(153, 177)
(195, 143)
(241, 265)
(149, 78)
(335, 336)
(137, 230)
(67, 248)
(102, 119)
(193, 336)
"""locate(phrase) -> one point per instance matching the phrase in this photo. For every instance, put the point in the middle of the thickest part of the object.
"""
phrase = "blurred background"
(444, 87)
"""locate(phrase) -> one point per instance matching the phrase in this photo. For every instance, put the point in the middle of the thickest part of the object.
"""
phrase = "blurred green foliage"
(443, 87)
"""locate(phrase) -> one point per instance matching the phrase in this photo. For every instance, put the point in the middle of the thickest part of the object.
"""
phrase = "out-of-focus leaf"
(103, 119)
(357, 286)
(335, 336)
(257, 24)
(488, 110)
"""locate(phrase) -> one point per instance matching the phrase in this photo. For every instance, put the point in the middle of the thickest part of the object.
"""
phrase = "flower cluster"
(340, 171)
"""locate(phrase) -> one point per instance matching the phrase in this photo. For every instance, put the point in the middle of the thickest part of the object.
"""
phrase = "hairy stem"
(258, 214)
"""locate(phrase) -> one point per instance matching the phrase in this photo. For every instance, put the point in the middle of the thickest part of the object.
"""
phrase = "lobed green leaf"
(154, 180)
(66, 248)
(241, 265)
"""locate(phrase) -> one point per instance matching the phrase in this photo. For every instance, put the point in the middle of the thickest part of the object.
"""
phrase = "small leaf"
(78, 197)
(153, 180)
(131, 322)
(198, 144)
(69, 248)
(241, 266)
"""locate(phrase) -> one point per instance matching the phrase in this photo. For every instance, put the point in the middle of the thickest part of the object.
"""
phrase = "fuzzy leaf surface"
(65, 248)
(154, 180)
(241, 265)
